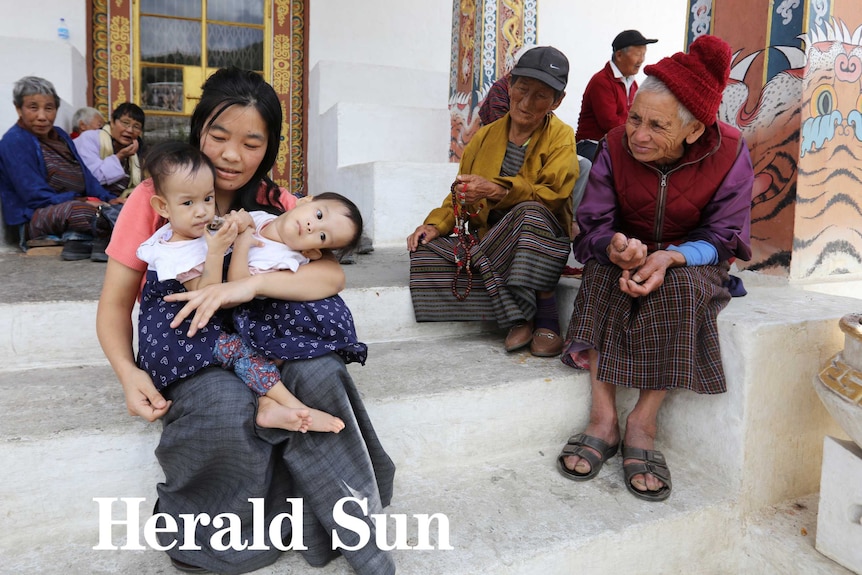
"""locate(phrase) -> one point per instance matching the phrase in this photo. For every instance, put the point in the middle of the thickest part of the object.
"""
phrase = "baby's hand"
(242, 218)
(222, 239)
(246, 239)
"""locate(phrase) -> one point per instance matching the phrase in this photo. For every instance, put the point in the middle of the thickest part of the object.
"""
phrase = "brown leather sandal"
(577, 446)
(650, 461)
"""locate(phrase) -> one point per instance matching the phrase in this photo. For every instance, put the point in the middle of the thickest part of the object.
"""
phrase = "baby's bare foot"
(272, 414)
(322, 421)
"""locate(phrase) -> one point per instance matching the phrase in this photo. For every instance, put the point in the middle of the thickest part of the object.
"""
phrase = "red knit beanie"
(698, 78)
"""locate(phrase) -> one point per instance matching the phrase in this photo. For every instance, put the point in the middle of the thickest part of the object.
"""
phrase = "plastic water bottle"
(63, 30)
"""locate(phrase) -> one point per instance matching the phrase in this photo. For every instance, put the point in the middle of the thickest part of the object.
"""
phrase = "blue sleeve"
(697, 253)
(25, 182)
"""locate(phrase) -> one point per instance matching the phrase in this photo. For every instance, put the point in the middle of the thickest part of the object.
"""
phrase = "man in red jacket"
(611, 91)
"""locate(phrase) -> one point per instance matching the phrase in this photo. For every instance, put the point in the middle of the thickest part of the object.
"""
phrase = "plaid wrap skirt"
(215, 459)
(667, 339)
(523, 253)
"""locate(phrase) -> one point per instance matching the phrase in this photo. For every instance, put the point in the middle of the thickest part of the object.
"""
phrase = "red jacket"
(662, 210)
(604, 106)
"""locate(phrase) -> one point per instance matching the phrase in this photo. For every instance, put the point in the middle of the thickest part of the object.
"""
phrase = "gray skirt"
(523, 253)
(215, 459)
(665, 340)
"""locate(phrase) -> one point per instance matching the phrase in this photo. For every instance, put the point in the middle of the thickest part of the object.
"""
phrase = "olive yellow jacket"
(548, 174)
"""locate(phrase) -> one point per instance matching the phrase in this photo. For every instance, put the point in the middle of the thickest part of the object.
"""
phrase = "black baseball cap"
(628, 38)
(546, 64)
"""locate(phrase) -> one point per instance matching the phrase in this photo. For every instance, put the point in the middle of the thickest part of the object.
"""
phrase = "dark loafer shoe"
(74, 250)
(186, 567)
(99, 246)
(546, 343)
(519, 336)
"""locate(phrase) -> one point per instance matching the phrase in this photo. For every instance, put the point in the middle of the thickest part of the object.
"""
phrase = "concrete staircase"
(380, 136)
(474, 431)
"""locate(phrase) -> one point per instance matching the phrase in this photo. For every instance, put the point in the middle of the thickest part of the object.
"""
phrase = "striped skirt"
(523, 253)
(665, 340)
(57, 219)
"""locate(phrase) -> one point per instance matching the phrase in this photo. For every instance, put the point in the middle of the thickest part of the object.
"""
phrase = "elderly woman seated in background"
(45, 188)
(112, 153)
(667, 205)
(510, 214)
(86, 119)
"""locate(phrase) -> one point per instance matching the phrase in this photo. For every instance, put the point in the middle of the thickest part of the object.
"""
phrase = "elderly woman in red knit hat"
(667, 205)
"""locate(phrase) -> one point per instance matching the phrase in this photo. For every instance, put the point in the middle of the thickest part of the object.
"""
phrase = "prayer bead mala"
(464, 240)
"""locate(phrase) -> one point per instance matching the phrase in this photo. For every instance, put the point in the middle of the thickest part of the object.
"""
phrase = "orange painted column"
(762, 99)
(796, 94)
(827, 238)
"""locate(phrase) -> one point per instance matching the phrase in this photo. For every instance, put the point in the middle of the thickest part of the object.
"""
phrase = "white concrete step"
(395, 197)
(376, 293)
(72, 422)
(516, 515)
(519, 516)
(474, 432)
(333, 82)
(375, 132)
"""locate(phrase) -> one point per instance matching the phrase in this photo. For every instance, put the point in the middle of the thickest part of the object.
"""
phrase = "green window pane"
(167, 41)
(181, 8)
(234, 46)
(240, 11)
(162, 89)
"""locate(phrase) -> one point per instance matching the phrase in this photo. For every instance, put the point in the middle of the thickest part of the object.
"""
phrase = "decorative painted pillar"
(112, 54)
(794, 93)
(289, 73)
(827, 238)
(485, 36)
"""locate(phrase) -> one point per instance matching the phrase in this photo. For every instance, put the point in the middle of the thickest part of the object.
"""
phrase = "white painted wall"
(417, 35)
(39, 20)
(584, 30)
(29, 46)
(408, 34)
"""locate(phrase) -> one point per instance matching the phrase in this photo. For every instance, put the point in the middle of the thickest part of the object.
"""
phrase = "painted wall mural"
(796, 94)
(485, 36)
(828, 229)
(762, 100)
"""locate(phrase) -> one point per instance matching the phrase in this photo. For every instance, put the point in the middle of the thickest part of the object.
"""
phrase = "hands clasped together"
(643, 273)
(237, 226)
(470, 189)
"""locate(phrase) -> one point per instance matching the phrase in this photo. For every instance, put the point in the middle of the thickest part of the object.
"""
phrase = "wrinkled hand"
(423, 234)
(650, 276)
(626, 253)
(203, 303)
(142, 398)
(472, 188)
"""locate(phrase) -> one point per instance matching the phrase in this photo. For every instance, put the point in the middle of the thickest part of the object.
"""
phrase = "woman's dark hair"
(167, 158)
(353, 214)
(131, 110)
(235, 87)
